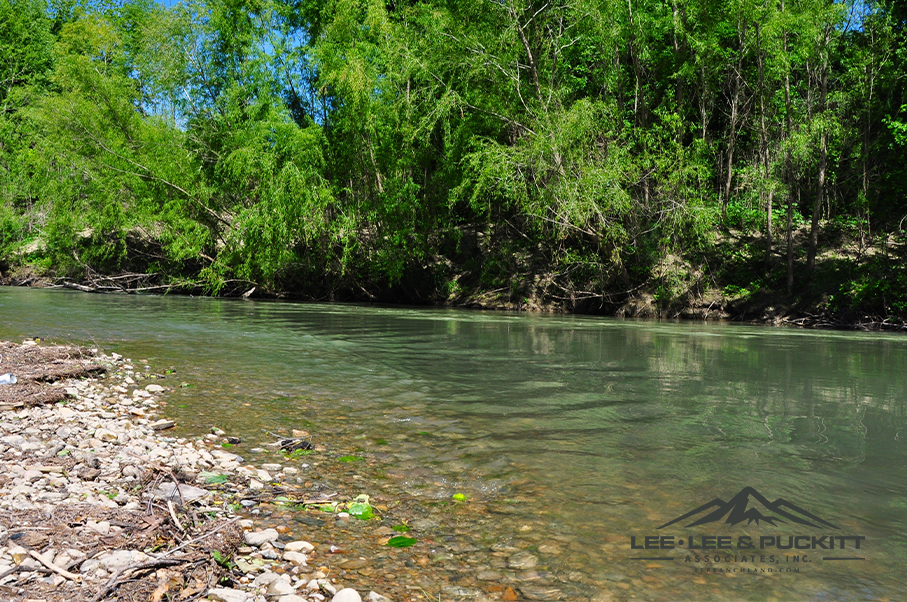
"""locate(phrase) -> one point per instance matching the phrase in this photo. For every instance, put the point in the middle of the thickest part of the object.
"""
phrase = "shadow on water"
(569, 434)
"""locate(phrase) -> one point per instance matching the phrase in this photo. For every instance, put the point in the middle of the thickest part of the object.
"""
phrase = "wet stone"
(534, 592)
(488, 575)
(460, 593)
(523, 560)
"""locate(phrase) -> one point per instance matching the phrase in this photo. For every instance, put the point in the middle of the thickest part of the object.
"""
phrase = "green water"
(568, 434)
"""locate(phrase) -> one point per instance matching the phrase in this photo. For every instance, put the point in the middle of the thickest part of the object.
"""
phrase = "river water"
(568, 435)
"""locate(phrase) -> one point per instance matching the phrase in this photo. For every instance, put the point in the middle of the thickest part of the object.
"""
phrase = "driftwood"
(36, 366)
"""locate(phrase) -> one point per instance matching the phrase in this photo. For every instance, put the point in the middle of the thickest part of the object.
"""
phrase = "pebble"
(257, 538)
(347, 594)
(523, 560)
(228, 595)
(108, 442)
(299, 546)
(280, 586)
(295, 558)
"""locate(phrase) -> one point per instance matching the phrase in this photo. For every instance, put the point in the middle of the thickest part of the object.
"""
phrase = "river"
(568, 436)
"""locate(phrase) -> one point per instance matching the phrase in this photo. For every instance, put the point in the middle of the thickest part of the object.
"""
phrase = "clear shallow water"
(569, 434)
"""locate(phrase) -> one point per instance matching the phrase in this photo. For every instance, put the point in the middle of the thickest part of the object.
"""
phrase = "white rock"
(18, 553)
(102, 528)
(258, 538)
(105, 435)
(299, 546)
(223, 594)
(376, 597)
(272, 467)
(295, 558)
(186, 493)
(121, 558)
(253, 484)
(222, 455)
(16, 441)
(347, 594)
(280, 586)
(154, 389)
(291, 598)
(265, 579)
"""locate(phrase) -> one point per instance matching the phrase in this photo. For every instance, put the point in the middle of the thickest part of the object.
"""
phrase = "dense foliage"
(520, 151)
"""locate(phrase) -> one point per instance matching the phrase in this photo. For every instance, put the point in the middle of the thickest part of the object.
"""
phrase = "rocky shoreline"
(98, 503)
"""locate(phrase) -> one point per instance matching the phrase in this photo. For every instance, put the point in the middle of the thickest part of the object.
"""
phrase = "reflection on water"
(570, 434)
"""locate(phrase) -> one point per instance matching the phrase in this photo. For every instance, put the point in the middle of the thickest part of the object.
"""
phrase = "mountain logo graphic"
(751, 506)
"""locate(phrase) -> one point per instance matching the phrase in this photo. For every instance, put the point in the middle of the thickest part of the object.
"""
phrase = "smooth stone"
(295, 558)
(522, 560)
(258, 538)
(281, 586)
(487, 575)
(292, 598)
(105, 435)
(154, 389)
(223, 594)
(186, 492)
(347, 594)
(540, 592)
(271, 467)
(299, 546)
(376, 597)
(102, 528)
(121, 558)
(18, 554)
(460, 593)
(265, 579)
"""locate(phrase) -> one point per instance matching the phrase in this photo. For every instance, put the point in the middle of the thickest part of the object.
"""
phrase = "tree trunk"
(790, 241)
(735, 102)
(823, 159)
(765, 153)
(789, 171)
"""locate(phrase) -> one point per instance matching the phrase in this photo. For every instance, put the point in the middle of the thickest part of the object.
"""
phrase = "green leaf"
(213, 477)
(458, 497)
(220, 559)
(349, 458)
(401, 542)
(361, 511)
(400, 528)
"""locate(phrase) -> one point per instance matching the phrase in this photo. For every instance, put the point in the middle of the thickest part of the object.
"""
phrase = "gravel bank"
(98, 503)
